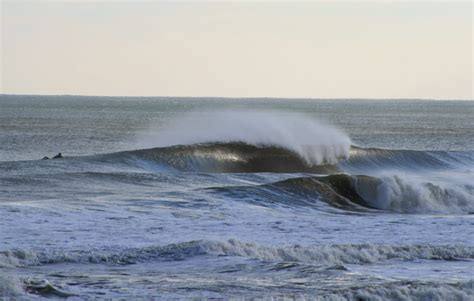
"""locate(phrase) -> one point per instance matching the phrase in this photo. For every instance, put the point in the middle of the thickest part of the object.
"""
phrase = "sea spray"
(315, 141)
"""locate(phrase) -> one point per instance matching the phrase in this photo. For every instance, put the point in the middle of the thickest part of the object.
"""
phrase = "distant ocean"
(214, 198)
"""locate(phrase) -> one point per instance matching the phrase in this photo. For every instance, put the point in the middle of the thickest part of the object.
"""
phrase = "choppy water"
(229, 198)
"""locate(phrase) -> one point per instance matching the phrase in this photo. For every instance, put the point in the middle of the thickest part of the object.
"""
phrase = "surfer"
(58, 156)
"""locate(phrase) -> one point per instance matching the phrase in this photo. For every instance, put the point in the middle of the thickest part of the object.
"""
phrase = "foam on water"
(416, 194)
(403, 290)
(323, 255)
(10, 286)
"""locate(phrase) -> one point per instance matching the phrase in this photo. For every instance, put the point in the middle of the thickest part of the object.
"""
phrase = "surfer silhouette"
(58, 156)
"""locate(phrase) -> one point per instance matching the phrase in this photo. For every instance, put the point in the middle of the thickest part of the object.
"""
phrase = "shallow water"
(330, 199)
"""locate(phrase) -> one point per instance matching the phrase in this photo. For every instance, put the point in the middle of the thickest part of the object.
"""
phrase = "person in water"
(58, 156)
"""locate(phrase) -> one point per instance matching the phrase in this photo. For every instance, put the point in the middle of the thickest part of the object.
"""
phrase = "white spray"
(447, 192)
(315, 141)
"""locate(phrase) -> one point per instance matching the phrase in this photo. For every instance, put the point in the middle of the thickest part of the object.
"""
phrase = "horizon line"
(237, 97)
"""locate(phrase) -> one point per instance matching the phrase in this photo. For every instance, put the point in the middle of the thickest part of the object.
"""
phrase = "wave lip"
(363, 159)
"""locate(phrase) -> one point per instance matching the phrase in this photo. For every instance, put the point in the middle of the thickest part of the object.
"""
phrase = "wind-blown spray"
(313, 140)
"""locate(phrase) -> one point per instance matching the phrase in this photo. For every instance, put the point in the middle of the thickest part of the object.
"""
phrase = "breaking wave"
(315, 142)
(362, 193)
(358, 179)
(239, 157)
(232, 157)
(248, 141)
(18, 289)
(323, 255)
(245, 141)
(13, 287)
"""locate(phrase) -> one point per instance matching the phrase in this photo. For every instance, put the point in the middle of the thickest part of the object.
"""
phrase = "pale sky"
(353, 49)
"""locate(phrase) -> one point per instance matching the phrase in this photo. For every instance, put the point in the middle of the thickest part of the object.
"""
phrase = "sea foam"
(319, 254)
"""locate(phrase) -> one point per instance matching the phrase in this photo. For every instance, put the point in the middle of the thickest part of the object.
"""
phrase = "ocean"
(236, 199)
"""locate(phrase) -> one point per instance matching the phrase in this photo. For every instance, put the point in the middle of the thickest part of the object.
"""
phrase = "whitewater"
(205, 198)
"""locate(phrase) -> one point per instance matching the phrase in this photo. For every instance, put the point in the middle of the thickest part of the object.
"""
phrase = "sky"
(325, 49)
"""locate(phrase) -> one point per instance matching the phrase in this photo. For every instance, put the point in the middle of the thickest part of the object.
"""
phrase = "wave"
(241, 141)
(313, 141)
(319, 258)
(360, 193)
(233, 157)
(403, 193)
(247, 141)
(20, 288)
(402, 181)
(376, 158)
(13, 287)
(392, 193)
(239, 157)
(330, 255)
(337, 191)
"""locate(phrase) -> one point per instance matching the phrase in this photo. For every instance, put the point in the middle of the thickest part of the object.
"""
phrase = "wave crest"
(228, 157)
(362, 193)
(246, 158)
(315, 142)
